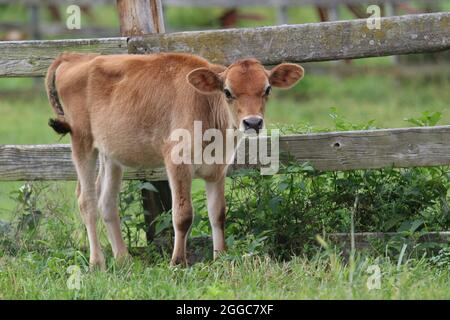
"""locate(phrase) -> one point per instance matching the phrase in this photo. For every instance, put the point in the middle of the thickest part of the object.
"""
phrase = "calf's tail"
(59, 124)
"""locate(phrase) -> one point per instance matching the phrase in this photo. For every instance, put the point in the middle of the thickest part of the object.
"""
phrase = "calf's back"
(126, 106)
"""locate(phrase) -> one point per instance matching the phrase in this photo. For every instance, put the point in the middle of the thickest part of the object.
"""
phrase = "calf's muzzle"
(253, 123)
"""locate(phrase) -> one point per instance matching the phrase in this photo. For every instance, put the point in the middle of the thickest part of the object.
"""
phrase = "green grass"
(37, 276)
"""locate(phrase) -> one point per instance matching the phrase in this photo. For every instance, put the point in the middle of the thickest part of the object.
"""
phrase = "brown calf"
(121, 109)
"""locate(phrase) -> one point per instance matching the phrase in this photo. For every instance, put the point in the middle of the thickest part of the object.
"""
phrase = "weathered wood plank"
(371, 149)
(408, 147)
(363, 238)
(309, 42)
(295, 43)
(199, 248)
(50, 162)
(32, 58)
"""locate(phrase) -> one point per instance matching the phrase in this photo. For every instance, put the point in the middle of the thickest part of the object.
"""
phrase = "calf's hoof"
(178, 262)
(218, 253)
(97, 263)
(123, 258)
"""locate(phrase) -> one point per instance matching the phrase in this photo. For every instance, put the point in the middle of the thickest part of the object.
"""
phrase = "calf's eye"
(228, 94)
(268, 90)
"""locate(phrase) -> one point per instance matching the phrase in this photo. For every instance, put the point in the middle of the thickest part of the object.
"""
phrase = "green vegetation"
(45, 241)
(34, 275)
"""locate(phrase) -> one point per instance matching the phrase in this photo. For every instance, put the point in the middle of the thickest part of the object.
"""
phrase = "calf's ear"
(285, 75)
(205, 80)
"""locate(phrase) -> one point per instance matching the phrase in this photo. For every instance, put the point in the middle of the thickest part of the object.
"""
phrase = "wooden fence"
(398, 148)
(407, 147)
(297, 43)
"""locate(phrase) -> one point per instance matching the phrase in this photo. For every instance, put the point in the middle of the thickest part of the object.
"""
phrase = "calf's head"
(246, 85)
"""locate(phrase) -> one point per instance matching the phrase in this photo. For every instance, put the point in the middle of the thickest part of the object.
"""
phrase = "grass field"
(38, 276)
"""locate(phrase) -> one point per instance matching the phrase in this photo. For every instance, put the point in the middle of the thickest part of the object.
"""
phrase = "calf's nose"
(254, 123)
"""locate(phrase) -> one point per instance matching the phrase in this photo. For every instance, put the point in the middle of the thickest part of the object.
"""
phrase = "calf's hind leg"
(85, 157)
(110, 180)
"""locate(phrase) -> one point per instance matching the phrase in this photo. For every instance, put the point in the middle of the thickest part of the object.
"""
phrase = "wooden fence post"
(138, 17)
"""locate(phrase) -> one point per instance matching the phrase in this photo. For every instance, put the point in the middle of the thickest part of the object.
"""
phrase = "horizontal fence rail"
(32, 58)
(309, 42)
(363, 239)
(200, 246)
(197, 246)
(371, 149)
(295, 43)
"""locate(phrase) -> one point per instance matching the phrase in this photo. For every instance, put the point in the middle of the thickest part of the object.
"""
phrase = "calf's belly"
(133, 155)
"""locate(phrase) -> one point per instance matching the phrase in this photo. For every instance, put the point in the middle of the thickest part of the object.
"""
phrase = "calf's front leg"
(180, 180)
(215, 193)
